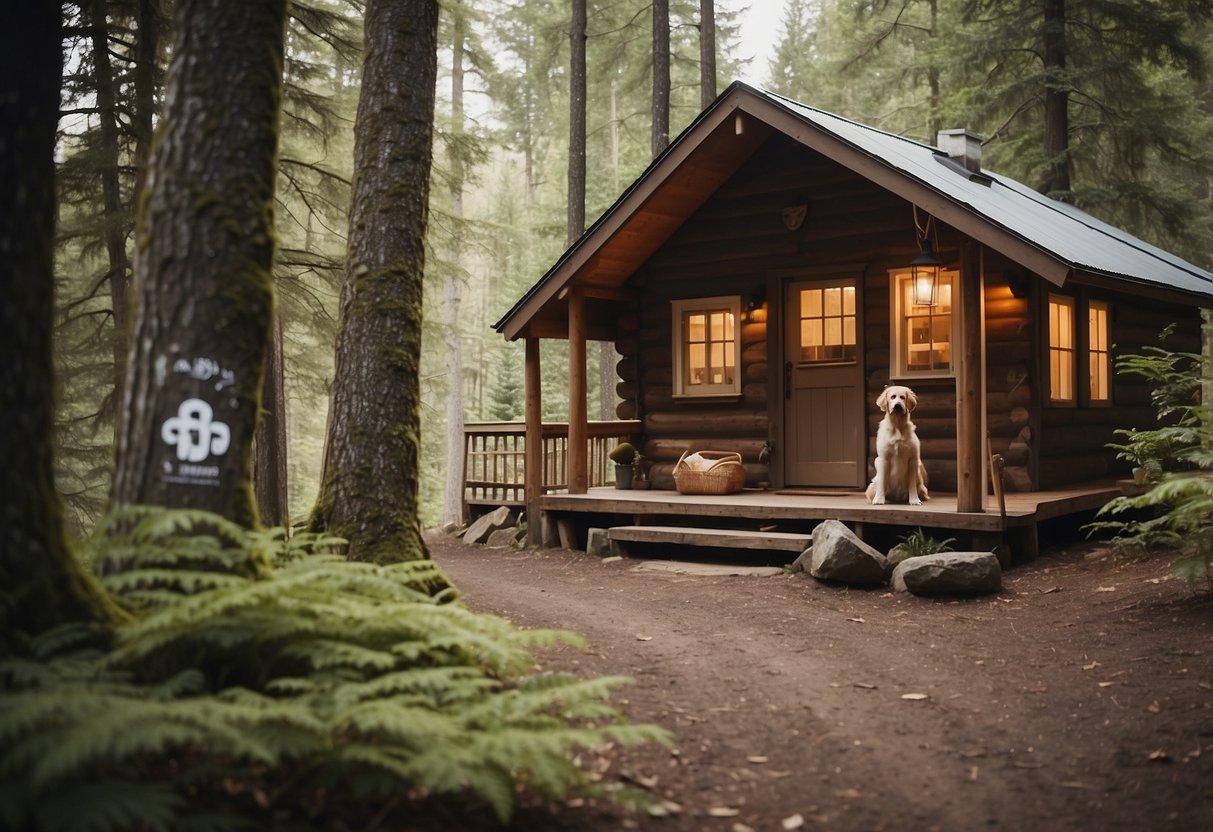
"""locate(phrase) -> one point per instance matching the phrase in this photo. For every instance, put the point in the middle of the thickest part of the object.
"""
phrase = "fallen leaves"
(755, 758)
(915, 696)
(792, 822)
(1159, 756)
(723, 812)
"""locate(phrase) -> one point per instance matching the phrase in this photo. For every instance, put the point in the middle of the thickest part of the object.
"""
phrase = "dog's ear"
(882, 401)
(911, 399)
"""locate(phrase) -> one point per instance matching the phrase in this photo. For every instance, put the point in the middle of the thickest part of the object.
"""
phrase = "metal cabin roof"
(1068, 233)
(995, 208)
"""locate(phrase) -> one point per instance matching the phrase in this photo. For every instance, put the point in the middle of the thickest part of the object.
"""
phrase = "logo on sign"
(195, 433)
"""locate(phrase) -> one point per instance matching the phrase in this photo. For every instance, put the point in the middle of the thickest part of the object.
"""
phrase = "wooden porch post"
(970, 382)
(533, 483)
(579, 448)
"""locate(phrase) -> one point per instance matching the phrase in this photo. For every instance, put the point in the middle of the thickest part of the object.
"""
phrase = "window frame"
(797, 313)
(1071, 303)
(1092, 352)
(679, 309)
(898, 361)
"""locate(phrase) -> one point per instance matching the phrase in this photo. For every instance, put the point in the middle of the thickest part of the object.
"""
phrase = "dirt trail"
(1038, 708)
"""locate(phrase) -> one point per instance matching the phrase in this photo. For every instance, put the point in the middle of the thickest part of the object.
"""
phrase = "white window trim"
(679, 308)
(897, 361)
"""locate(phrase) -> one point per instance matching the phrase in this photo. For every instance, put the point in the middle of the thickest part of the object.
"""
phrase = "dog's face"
(899, 401)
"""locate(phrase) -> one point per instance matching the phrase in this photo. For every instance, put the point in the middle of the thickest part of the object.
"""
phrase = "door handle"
(787, 379)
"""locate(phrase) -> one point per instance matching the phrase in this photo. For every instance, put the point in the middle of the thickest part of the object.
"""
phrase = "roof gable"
(1051, 238)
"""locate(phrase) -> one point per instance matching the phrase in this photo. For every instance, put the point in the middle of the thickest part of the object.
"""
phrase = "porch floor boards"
(1022, 509)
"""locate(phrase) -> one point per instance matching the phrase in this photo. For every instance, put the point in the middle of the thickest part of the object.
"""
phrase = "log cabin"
(777, 266)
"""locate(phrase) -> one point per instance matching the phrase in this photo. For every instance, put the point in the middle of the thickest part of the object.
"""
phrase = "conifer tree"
(369, 492)
(203, 276)
(41, 585)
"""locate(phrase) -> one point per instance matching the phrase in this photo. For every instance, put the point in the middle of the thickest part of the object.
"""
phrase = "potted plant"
(623, 455)
(640, 472)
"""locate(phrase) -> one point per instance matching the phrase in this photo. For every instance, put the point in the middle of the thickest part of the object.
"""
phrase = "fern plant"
(1173, 514)
(264, 678)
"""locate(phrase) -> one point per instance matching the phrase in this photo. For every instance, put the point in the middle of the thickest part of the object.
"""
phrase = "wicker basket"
(725, 476)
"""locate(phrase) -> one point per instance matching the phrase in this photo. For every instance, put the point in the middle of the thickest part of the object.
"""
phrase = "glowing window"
(707, 348)
(827, 324)
(1099, 359)
(1061, 349)
(923, 335)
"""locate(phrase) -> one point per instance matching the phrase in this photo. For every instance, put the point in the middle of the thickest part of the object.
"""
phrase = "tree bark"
(270, 443)
(577, 94)
(1057, 104)
(707, 53)
(452, 498)
(147, 52)
(115, 220)
(41, 584)
(661, 76)
(369, 492)
(204, 287)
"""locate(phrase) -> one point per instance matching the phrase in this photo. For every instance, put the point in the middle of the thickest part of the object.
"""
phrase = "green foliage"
(1173, 513)
(623, 454)
(270, 680)
(918, 543)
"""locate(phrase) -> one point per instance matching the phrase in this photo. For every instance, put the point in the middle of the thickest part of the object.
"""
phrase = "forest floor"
(1078, 698)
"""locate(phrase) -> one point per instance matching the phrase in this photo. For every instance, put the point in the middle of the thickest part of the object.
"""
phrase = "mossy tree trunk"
(369, 489)
(41, 584)
(203, 284)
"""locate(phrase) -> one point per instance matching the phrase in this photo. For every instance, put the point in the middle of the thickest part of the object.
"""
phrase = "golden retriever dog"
(900, 476)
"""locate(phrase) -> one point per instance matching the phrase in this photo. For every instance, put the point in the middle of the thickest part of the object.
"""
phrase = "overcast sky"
(759, 28)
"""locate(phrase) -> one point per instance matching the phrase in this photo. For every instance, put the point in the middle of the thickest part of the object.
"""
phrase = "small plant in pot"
(623, 455)
(640, 472)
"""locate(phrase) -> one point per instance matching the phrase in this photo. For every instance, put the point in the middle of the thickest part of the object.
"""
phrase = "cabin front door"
(824, 440)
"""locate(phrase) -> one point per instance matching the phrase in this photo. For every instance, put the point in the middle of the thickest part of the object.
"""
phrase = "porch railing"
(494, 458)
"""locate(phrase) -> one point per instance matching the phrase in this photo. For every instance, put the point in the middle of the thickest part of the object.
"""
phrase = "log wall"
(1073, 440)
(736, 244)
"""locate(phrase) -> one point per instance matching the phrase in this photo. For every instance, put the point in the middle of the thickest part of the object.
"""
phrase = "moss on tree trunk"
(41, 584)
(203, 281)
(369, 493)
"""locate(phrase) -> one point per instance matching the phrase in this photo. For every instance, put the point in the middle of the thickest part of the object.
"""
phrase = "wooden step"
(713, 538)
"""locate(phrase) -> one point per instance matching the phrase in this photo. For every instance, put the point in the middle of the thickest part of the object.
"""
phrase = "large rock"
(506, 538)
(838, 555)
(496, 519)
(949, 573)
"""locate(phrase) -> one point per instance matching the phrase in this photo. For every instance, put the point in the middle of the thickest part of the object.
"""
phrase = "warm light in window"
(710, 347)
(1061, 348)
(925, 328)
(1097, 351)
(827, 324)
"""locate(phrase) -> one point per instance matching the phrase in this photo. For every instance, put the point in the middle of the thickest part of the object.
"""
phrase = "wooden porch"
(566, 517)
(495, 463)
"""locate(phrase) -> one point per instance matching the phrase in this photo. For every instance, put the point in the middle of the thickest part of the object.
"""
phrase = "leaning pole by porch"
(970, 380)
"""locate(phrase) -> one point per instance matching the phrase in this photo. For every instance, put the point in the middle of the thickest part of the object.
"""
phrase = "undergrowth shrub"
(1175, 511)
(294, 691)
(918, 543)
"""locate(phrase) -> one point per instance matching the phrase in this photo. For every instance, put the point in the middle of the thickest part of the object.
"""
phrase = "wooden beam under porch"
(804, 509)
